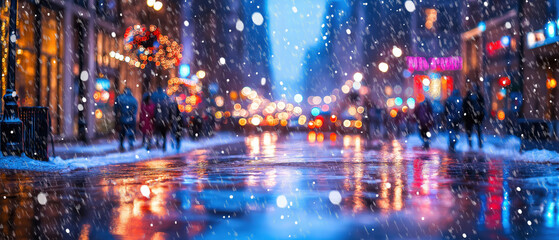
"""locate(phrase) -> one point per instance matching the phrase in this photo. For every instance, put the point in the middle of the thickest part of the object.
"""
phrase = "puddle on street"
(279, 187)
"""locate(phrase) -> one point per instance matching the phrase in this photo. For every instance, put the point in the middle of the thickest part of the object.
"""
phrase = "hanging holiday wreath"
(148, 44)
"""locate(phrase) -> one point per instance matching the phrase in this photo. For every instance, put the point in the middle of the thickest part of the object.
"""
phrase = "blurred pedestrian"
(140, 121)
(453, 116)
(424, 117)
(126, 108)
(177, 124)
(474, 113)
(195, 127)
(208, 122)
(375, 116)
(162, 118)
(147, 115)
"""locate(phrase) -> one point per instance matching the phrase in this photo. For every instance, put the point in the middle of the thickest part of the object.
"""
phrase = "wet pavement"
(279, 187)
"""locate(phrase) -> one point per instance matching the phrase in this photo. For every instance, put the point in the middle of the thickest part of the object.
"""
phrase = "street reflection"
(285, 187)
(262, 145)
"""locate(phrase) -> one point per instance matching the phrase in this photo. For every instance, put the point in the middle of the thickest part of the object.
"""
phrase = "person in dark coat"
(424, 116)
(474, 113)
(453, 116)
(177, 125)
(162, 118)
(126, 108)
(147, 115)
(195, 127)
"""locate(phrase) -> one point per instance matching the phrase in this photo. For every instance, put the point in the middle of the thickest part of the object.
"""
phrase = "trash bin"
(36, 129)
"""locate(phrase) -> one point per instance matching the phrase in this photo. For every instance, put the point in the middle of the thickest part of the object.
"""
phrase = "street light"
(298, 98)
(201, 74)
(383, 67)
(11, 140)
(481, 26)
(184, 70)
(150, 3)
(157, 5)
(358, 76)
(551, 83)
(397, 52)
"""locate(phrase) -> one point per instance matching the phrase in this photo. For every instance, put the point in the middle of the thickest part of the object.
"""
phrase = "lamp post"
(11, 140)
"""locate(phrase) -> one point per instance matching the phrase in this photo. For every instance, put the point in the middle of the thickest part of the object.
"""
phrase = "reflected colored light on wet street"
(296, 186)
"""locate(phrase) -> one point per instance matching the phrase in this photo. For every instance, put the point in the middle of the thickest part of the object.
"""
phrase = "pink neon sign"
(434, 64)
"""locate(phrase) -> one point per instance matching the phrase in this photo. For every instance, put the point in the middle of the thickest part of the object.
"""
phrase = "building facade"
(388, 29)
(328, 60)
(491, 49)
(58, 59)
(230, 43)
(512, 52)
(434, 62)
(540, 53)
(71, 59)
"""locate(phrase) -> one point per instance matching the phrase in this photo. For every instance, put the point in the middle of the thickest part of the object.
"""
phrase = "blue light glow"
(505, 41)
(103, 84)
(184, 70)
(549, 216)
(294, 31)
(213, 88)
(550, 29)
(481, 26)
(411, 103)
(434, 76)
(506, 208)
(503, 91)
(315, 111)
(407, 73)
(398, 101)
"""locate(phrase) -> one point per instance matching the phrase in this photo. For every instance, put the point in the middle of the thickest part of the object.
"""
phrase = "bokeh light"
(383, 67)
(315, 111)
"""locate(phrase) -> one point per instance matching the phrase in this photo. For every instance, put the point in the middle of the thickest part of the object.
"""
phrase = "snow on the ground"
(26, 163)
(508, 146)
(110, 145)
(58, 164)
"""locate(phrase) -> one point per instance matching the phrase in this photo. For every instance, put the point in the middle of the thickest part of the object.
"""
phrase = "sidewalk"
(98, 147)
(494, 145)
(101, 153)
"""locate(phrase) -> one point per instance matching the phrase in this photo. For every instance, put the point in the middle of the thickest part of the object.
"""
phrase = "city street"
(275, 119)
(317, 186)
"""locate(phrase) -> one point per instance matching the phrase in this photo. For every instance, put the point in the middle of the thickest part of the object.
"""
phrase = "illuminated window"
(26, 56)
(430, 17)
(51, 65)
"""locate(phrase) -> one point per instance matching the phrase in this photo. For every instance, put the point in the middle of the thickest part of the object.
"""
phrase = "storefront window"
(498, 99)
(25, 80)
(432, 86)
(108, 50)
(551, 85)
(108, 55)
(471, 57)
(51, 67)
(4, 41)
(38, 83)
(26, 56)
(104, 98)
